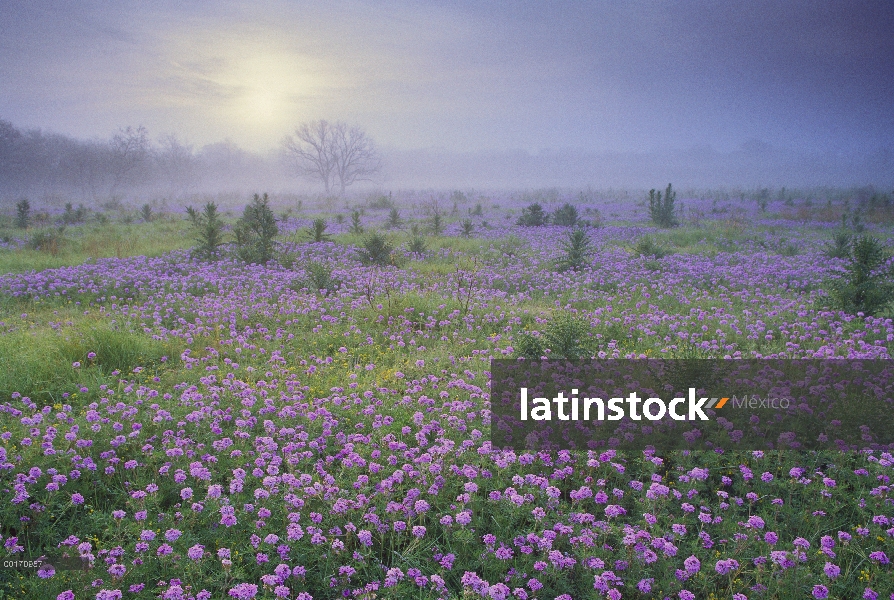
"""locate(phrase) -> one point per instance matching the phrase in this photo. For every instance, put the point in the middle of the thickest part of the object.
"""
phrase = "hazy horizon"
(805, 85)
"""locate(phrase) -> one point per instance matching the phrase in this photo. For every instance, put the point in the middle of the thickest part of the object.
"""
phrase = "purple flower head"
(832, 570)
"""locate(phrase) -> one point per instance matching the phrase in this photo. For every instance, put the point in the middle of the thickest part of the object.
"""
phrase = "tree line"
(332, 154)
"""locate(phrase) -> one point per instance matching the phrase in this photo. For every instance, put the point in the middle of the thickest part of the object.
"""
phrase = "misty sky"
(610, 76)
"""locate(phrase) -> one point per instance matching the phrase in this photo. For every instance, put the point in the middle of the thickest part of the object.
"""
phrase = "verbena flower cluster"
(307, 445)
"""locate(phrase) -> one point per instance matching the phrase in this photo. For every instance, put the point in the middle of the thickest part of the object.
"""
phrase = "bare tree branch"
(332, 153)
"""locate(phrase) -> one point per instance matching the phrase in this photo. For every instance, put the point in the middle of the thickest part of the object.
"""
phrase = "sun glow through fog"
(268, 86)
(258, 92)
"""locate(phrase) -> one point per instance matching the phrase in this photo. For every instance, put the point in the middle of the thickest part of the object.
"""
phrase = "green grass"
(38, 361)
(113, 240)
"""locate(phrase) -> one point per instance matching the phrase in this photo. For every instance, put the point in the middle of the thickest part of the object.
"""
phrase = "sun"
(260, 106)
(267, 90)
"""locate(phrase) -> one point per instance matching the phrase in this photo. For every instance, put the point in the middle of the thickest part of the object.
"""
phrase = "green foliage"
(417, 245)
(320, 276)
(789, 249)
(662, 210)
(867, 286)
(436, 225)
(317, 231)
(478, 211)
(565, 336)
(533, 216)
(193, 216)
(853, 221)
(208, 229)
(48, 240)
(356, 227)
(394, 221)
(73, 215)
(528, 346)
(840, 246)
(255, 232)
(646, 246)
(339, 218)
(376, 250)
(577, 249)
(146, 213)
(565, 216)
(466, 228)
(23, 213)
(382, 202)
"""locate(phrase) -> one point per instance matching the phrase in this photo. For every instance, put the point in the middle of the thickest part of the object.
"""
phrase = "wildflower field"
(318, 425)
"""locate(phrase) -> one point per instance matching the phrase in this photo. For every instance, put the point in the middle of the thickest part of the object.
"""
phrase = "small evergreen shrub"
(564, 336)
(533, 216)
(436, 225)
(566, 216)
(662, 210)
(317, 231)
(647, 247)
(867, 285)
(417, 245)
(394, 221)
(23, 213)
(208, 229)
(255, 232)
(320, 277)
(577, 250)
(356, 227)
(840, 246)
(376, 250)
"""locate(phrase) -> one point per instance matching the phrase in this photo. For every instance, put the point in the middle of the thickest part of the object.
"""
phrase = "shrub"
(317, 231)
(208, 230)
(48, 240)
(23, 213)
(382, 202)
(320, 276)
(577, 248)
(70, 215)
(376, 250)
(466, 228)
(789, 249)
(563, 336)
(565, 216)
(478, 211)
(529, 347)
(394, 221)
(417, 245)
(647, 247)
(146, 213)
(356, 227)
(193, 216)
(255, 232)
(436, 225)
(661, 210)
(840, 246)
(867, 286)
(533, 216)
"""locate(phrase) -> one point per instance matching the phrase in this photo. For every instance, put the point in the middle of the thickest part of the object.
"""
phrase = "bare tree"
(130, 150)
(335, 154)
(177, 164)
